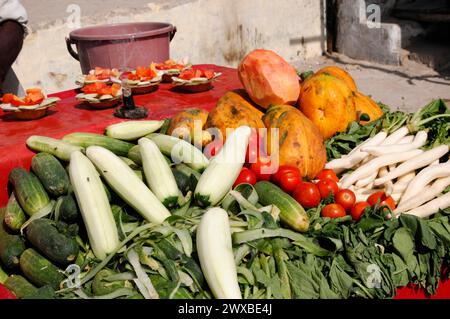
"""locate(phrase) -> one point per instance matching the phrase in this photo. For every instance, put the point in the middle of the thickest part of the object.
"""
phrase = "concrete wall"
(362, 37)
(209, 31)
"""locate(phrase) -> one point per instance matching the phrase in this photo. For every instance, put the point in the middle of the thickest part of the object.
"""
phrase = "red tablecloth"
(69, 116)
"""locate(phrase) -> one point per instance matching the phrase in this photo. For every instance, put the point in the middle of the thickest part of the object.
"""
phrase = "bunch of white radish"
(396, 165)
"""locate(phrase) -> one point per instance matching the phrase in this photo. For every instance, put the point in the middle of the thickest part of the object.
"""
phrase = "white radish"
(396, 196)
(407, 139)
(419, 141)
(425, 195)
(383, 171)
(355, 156)
(377, 163)
(389, 188)
(420, 161)
(403, 182)
(370, 191)
(432, 207)
(424, 177)
(366, 181)
(396, 136)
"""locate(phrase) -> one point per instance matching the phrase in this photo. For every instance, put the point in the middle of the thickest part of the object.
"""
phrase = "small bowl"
(195, 88)
(34, 112)
(31, 114)
(103, 104)
(145, 89)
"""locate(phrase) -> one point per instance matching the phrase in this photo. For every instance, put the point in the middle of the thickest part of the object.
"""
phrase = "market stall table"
(71, 116)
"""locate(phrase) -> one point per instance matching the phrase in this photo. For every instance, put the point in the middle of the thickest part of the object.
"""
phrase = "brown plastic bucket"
(123, 45)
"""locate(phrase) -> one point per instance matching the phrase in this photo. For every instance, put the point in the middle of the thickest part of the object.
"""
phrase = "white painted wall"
(209, 31)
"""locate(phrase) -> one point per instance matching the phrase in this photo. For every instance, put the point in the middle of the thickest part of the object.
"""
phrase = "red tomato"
(245, 177)
(346, 198)
(289, 181)
(282, 170)
(327, 186)
(382, 199)
(307, 194)
(328, 173)
(5, 293)
(105, 91)
(209, 74)
(262, 168)
(17, 101)
(7, 98)
(213, 148)
(333, 211)
(358, 210)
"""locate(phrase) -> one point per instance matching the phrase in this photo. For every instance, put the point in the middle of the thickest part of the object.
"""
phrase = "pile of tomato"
(196, 73)
(34, 96)
(102, 74)
(142, 74)
(310, 194)
(169, 65)
(102, 88)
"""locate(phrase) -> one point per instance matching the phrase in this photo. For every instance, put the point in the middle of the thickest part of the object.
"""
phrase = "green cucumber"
(135, 155)
(11, 246)
(51, 173)
(158, 175)
(186, 178)
(3, 276)
(14, 215)
(45, 292)
(46, 238)
(39, 270)
(139, 174)
(58, 148)
(292, 213)
(132, 130)
(29, 191)
(67, 209)
(130, 163)
(20, 286)
(180, 151)
(118, 147)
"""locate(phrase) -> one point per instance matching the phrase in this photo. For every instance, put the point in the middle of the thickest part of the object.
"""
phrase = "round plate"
(145, 89)
(27, 115)
(104, 104)
(195, 88)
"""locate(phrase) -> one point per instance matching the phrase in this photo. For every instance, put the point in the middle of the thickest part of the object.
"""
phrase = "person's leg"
(11, 41)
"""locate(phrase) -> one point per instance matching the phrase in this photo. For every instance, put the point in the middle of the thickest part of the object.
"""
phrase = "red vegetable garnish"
(101, 88)
(144, 74)
(169, 65)
(34, 96)
(197, 73)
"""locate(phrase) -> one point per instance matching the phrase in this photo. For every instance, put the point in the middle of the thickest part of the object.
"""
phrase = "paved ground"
(407, 87)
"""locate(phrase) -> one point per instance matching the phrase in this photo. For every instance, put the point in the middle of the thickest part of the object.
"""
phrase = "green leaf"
(403, 242)
(341, 282)
(427, 237)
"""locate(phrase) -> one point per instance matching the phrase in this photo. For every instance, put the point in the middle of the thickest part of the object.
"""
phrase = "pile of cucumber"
(34, 249)
(42, 230)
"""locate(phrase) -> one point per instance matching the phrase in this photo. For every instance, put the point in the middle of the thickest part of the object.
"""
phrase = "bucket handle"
(172, 33)
(71, 50)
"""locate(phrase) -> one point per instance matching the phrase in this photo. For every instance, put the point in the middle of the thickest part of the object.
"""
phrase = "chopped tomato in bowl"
(33, 96)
